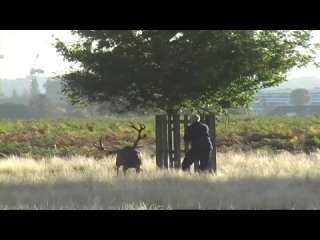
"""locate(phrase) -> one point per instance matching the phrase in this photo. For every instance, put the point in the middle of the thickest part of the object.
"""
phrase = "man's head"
(194, 118)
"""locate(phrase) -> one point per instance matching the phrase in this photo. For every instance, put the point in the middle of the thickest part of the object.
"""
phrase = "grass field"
(244, 181)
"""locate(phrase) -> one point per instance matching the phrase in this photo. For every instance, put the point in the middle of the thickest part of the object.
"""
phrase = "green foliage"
(69, 137)
(299, 96)
(176, 69)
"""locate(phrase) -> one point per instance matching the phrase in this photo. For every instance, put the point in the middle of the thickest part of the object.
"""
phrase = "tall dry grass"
(244, 181)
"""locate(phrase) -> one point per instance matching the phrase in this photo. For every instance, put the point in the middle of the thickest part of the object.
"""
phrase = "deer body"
(128, 156)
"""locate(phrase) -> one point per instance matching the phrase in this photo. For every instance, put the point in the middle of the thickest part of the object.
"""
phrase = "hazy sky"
(19, 50)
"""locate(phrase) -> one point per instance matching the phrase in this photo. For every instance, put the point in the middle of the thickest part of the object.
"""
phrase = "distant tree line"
(52, 104)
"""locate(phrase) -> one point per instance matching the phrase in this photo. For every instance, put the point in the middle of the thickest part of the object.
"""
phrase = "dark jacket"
(198, 134)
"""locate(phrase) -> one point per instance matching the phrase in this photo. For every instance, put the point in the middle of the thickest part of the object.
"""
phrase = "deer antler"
(139, 130)
(101, 147)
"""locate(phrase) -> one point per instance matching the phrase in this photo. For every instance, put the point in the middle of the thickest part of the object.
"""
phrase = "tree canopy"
(53, 89)
(175, 69)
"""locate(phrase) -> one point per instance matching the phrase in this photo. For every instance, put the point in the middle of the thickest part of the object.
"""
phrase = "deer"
(128, 156)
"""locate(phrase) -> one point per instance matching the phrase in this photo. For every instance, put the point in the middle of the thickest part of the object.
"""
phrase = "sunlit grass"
(244, 181)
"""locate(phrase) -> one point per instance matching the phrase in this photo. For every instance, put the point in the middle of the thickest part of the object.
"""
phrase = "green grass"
(39, 138)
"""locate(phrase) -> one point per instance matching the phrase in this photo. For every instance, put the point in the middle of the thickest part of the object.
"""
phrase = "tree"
(14, 111)
(14, 93)
(25, 97)
(53, 90)
(14, 97)
(34, 88)
(175, 69)
(41, 107)
(299, 96)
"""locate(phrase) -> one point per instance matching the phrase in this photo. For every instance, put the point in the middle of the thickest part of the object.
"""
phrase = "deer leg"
(138, 170)
(124, 170)
(117, 170)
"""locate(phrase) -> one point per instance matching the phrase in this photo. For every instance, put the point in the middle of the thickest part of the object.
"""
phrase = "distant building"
(314, 96)
(267, 101)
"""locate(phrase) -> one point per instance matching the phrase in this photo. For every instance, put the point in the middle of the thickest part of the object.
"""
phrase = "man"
(198, 134)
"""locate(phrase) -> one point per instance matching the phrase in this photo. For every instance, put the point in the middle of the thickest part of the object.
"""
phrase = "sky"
(19, 50)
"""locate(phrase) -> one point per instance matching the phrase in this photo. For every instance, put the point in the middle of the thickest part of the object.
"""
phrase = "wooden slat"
(176, 140)
(170, 142)
(159, 140)
(212, 132)
(165, 142)
(185, 125)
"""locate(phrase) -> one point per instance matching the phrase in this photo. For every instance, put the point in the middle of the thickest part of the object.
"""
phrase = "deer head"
(101, 147)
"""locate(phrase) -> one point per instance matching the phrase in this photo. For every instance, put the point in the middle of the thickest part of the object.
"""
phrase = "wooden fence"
(170, 147)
